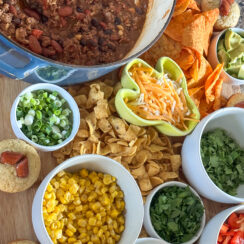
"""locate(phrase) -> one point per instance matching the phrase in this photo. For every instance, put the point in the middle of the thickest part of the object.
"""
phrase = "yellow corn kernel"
(89, 214)
(92, 221)
(72, 240)
(58, 234)
(121, 228)
(72, 216)
(74, 188)
(110, 240)
(83, 198)
(71, 227)
(107, 179)
(105, 200)
(84, 173)
(114, 213)
(100, 233)
(99, 223)
(79, 208)
(114, 194)
(69, 233)
(82, 222)
(63, 239)
(104, 190)
(61, 173)
(92, 196)
(78, 242)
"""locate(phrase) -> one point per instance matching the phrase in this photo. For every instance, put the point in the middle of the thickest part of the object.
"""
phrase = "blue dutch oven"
(20, 63)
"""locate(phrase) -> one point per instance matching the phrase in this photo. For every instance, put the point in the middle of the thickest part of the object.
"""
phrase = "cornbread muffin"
(10, 180)
(22, 242)
(223, 22)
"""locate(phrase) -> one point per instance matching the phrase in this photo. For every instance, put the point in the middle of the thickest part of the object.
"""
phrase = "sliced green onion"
(43, 117)
(34, 138)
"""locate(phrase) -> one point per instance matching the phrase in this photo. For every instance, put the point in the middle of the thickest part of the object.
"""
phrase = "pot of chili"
(72, 41)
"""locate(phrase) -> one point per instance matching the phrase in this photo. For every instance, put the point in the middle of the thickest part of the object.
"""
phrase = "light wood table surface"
(15, 209)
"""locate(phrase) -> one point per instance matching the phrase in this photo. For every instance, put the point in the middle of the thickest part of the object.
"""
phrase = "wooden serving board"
(15, 209)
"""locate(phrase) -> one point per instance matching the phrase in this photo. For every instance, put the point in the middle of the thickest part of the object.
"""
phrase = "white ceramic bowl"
(229, 119)
(149, 241)
(211, 231)
(213, 56)
(72, 105)
(147, 218)
(132, 195)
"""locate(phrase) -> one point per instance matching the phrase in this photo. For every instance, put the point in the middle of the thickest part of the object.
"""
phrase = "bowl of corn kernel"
(88, 199)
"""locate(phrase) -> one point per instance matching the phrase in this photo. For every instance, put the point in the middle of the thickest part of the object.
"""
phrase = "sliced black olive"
(108, 31)
(117, 20)
(44, 18)
(94, 22)
(79, 10)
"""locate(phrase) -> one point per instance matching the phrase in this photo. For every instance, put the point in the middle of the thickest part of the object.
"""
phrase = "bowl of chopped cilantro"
(46, 116)
(213, 156)
(174, 213)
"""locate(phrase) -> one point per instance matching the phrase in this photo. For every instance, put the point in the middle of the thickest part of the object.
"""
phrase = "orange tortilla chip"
(194, 91)
(218, 89)
(181, 6)
(193, 34)
(210, 18)
(211, 82)
(193, 5)
(178, 24)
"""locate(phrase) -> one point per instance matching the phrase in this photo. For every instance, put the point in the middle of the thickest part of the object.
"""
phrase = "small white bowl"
(132, 195)
(213, 56)
(147, 218)
(149, 241)
(229, 119)
(211, 231)
(72, 105)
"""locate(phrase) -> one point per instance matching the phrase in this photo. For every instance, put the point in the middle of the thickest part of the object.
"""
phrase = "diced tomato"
(227, 240)
(230, 233)
(220, 238)
(44, 2)
(232, 221)
(238, 238)
(224, 228)
(37, 33)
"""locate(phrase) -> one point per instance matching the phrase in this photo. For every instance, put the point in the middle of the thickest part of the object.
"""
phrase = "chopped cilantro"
(223, 160)
(176, 214)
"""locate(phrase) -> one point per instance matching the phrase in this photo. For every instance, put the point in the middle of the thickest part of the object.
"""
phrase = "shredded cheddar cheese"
(160, 98)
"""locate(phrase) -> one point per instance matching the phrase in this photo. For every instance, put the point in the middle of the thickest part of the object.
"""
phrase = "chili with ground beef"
(83, 32)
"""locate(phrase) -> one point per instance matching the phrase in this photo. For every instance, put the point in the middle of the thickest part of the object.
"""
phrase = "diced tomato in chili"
(37, 33)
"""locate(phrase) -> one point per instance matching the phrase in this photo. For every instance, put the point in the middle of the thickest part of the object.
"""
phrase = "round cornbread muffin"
(223, 22)
(22, 242)
(9, 181)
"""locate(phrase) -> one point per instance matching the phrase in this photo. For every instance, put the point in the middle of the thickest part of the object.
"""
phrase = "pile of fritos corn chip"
(149, 156)
(186, 40)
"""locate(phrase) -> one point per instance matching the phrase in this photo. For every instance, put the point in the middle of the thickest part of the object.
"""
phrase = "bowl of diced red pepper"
(227, 227)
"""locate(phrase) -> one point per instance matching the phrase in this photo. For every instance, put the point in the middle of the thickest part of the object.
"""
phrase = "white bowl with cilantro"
(174, 213)
(213, 156)
(46, 116)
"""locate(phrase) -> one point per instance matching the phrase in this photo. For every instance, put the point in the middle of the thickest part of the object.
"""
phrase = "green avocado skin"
(231, 52)
(131, 91)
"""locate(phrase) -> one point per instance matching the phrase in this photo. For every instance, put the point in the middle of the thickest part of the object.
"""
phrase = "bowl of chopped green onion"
(174, 213)
(46, 116)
